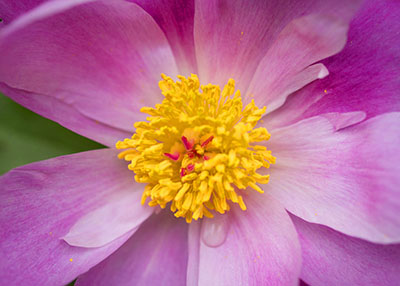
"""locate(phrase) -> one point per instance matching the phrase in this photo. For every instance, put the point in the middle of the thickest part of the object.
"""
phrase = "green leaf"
(27, 137)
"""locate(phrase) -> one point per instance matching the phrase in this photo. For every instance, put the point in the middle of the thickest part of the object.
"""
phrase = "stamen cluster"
(197, 150)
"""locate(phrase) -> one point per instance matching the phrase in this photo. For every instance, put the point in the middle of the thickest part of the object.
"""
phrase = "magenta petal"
(155, 255)
(332, 258)
(176, 19)
(232, 37)
(24, 14)
(10, 10)
(261, 247)
(303, 42)
(346, 179)
(40, 202)
(103, 58)
(365, 76)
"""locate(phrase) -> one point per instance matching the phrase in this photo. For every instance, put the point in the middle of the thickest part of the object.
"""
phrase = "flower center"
(197, 150)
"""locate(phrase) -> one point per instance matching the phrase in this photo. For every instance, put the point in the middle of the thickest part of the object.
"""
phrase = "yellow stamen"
(197, 149)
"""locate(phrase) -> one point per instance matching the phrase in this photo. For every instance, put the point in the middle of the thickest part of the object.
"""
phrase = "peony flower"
(214, 189)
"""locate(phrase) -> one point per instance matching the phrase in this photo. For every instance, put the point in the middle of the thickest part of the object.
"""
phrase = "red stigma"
(174, 156)
(183, 172)
(208, 140)
(188, 145)
(191, 153)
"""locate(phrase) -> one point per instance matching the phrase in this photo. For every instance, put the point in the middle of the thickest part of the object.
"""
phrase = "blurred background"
(26, 137)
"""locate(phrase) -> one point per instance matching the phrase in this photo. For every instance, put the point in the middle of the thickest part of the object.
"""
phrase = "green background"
(26, 137)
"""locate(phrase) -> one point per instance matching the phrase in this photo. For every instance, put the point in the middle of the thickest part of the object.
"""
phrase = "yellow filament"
(211, 175)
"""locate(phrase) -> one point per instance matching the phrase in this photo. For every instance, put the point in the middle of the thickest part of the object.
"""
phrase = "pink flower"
(330, 212)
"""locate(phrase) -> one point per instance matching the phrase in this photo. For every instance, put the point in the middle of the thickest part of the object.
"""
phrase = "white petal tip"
(323, 72)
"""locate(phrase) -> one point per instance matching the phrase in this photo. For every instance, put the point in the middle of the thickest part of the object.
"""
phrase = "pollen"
(198, 152)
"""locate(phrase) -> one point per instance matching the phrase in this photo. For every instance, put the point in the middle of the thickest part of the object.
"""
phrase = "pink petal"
(343, 120)
(232, 37)
(345, 179)
(215, 231)
(332, 258)
(283, 70)
(364, 76)
(261, 248)
(102, 58)
(122, 213)
(66, 115)
(155, 255)
(40, 202)
(194, 238)
(299, 102)
(176, 19)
